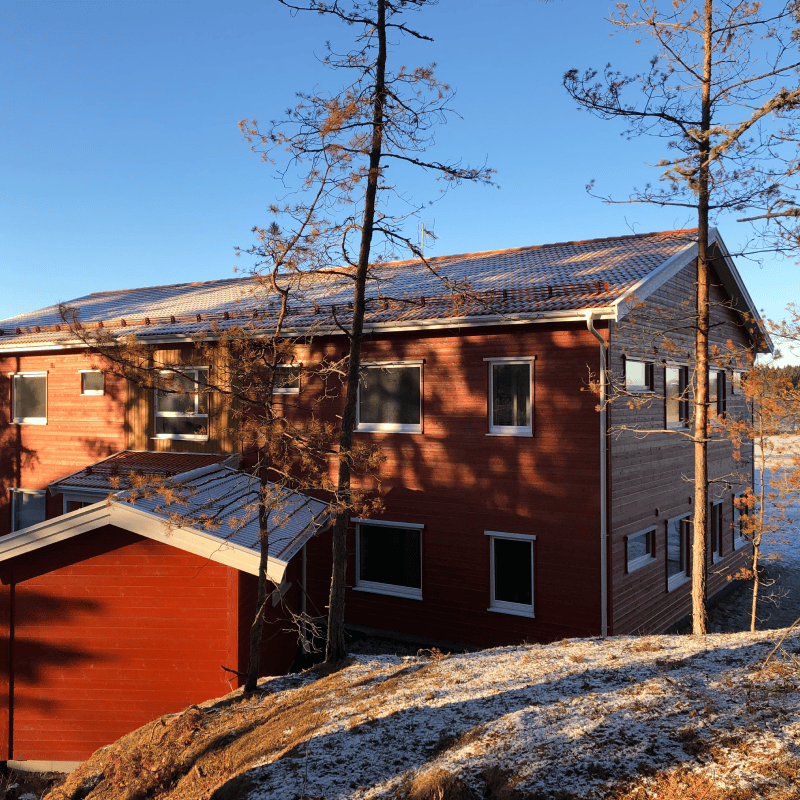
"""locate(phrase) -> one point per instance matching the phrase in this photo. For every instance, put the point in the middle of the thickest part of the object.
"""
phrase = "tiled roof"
(547, 279)
(117, 469)
(229, 500)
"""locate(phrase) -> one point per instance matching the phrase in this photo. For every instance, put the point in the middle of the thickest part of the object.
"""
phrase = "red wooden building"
(514, 510)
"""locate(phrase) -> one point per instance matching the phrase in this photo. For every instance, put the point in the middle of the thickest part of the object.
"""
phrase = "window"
(390, 398)
(740, 509)
(676, 380)
(511, 571)
(389, 558)
(678, 548)
(92, 381)
(736, 382)
(27, 508)
(640, 549)
(638, 375)
(30, 398)
(715, 524)
(716, 393)
(182, 405)
(286, 380)
(510, 393)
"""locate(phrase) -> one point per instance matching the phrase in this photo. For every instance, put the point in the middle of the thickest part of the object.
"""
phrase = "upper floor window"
(715, 524)
(181, 406)
(677, 396)
(29, 398)
(640, 549)
(740, 509)
(389, 558)
(510, 396)
(92, 382)
(716, 393)
(286, 379)
(390, 397)
(638, 375)
(678, 549)
(27, 508)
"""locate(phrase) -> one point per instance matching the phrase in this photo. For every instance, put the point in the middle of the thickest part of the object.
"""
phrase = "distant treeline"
(792, 372)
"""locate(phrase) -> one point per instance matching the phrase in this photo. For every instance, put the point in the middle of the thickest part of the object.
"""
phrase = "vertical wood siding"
(652, 475)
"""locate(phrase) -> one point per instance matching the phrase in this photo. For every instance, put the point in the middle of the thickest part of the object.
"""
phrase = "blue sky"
(122, 164)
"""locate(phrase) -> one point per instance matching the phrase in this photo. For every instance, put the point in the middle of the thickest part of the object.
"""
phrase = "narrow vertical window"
(510, 396)
(715, 524)
(678, 548)
(676, 397)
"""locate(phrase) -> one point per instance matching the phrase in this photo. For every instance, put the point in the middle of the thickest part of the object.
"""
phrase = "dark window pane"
(640, 545)
(178, 395)
(511, 395)
(675, 554)
(181, 426)
(513, 578)
(390, 555)
(30, 396)
(390, 395)
(29, 509)
(92, 382)
(286, 378)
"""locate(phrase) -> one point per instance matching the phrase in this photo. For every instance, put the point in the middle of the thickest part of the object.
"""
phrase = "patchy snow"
(575, 716)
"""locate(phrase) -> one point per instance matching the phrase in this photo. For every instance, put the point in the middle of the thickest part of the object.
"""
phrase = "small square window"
(389, 558)
(678, 548)
(640, 549)
(638, 375)
(390, 398)
(510, 396)
(27, 508)
(511, 573)
(92, 382)
(30, 398)
(677, 397)
(286, 380)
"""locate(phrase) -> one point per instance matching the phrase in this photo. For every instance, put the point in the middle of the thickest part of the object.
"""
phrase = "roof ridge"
(541, 246)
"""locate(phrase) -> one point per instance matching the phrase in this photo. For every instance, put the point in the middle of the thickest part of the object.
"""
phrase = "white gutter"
(590, 317)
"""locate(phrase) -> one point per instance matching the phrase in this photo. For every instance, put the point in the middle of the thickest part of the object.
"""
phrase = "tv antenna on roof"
(427, 238)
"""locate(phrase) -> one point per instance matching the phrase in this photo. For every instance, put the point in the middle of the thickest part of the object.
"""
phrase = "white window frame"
(27, 420)
(649, 376)
(288, 389)
(91, 392)
(191, 437)
(684, 404)
(504, 606)
(391, 427)
(739, 540)
(679, 578)
(715, 556)
(633, 564)
(510, 430)
(390, 589)
(15, 492)
(88, 496)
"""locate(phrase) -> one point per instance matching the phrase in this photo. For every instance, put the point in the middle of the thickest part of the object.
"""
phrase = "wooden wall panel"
(112, 630)
(652, 474)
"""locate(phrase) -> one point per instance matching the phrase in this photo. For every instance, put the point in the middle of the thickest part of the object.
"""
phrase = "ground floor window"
(389, 558)
(27, 508)
(715, 524)
(678, 549)
(511, 571)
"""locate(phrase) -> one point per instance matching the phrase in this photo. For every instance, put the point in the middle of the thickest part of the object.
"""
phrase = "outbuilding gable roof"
(542, 283)
(211, 511)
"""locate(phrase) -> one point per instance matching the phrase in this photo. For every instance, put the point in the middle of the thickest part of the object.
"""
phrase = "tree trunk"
(257, 628)
(335, 649)
(699, 556)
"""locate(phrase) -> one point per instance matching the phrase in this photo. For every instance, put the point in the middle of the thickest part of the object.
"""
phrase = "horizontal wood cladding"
(652, 473)
(140, 419)
(80, 428)
(111, 631)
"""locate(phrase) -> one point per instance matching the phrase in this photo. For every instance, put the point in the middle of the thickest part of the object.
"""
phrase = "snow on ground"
(577, 716)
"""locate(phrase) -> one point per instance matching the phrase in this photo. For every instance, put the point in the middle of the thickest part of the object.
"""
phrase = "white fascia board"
(55, 530)
(655, 280)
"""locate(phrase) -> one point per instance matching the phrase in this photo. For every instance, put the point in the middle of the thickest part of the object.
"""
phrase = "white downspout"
(603, 477)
